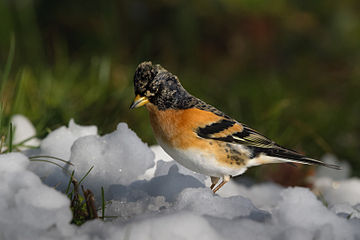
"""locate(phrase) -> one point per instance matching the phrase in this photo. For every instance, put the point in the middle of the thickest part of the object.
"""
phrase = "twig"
(102, 204)
(75, 191)
(90, 203)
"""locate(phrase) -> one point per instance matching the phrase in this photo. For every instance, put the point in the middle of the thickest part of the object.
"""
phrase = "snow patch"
(160, 199)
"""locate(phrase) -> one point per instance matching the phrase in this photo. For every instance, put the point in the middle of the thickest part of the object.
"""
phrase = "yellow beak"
(139, 101)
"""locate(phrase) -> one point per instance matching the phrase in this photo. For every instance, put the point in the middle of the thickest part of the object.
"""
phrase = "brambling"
(199, 136)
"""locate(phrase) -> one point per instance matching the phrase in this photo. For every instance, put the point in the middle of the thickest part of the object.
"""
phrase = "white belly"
(200, 162)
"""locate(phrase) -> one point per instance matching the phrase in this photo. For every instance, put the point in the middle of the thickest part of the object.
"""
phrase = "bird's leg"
(225, 180)
(214, 181)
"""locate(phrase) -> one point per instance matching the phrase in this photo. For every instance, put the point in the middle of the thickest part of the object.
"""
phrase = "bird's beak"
(139, 101)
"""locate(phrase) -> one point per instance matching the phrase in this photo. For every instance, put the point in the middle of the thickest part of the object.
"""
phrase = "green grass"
(307, 119)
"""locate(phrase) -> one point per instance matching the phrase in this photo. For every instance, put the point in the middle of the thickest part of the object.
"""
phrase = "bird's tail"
(311, 161)
(281, 154)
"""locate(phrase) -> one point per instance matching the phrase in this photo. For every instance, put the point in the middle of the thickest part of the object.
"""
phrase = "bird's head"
(154, 84)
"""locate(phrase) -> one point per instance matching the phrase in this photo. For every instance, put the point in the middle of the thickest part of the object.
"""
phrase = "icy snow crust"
(155, 198)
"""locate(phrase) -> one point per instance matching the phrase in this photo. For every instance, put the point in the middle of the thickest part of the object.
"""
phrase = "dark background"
(289, 69)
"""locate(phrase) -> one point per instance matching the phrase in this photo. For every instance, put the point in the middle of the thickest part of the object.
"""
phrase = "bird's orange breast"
(177, 127)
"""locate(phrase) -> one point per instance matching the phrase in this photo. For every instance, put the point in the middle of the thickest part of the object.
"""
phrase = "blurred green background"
(289, 69)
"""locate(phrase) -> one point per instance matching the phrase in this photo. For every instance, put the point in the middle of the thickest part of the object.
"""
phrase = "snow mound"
(29, 208)
(330, 173)
(301, 210)
(344, 191)
(118, 158)
(24, 130)
(58, 144)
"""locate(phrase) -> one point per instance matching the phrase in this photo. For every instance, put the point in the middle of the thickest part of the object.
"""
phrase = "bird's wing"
(231, 131)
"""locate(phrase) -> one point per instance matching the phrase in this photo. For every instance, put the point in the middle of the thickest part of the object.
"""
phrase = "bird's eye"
(148, 93)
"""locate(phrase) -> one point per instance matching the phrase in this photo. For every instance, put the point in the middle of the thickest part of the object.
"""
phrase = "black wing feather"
(258, 143)
(215, 128)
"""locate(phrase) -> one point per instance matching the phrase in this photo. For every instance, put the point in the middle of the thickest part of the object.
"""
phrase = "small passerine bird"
(199, 136)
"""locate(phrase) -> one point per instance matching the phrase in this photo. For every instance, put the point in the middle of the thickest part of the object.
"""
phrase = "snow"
(153, 197)
(184, 225)
(160, 155)
(344, 191)
(24, 131)
(27, 204)
(203, 202)
(264, 195)
(300, 209)
(330, 173)
(169, 186)
(58, 144)
(118, 158)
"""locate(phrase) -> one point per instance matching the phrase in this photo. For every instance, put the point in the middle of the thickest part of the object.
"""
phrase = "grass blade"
(24, 141)
(69, 183)
(85, 175)
(11, 136)
(56, 158)
(43, 160)
(26, 146)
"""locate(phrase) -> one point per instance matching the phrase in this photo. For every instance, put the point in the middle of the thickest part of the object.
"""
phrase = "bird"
(201, 137)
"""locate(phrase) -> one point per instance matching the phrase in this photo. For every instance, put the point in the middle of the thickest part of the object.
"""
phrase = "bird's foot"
(225, 180)
(214, 181)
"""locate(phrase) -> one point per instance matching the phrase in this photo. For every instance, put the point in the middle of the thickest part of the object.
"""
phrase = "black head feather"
(144, 78)
(164, 90)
